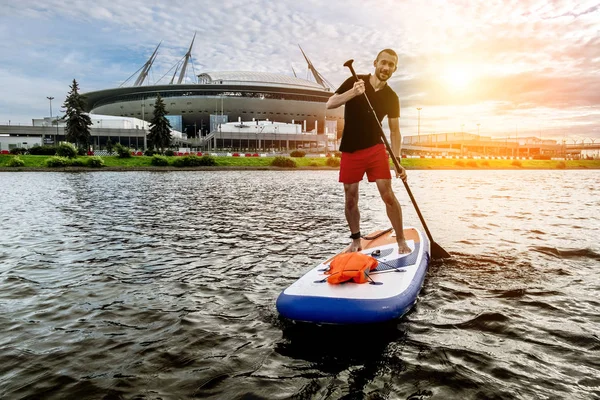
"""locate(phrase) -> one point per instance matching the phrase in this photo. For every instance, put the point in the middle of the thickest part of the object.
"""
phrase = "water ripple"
(162, 285)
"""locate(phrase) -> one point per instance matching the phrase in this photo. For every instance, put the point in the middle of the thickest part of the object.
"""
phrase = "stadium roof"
(246, 77)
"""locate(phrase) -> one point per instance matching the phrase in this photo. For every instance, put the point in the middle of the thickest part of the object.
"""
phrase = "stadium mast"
(188, 55)
(140, 80)
(318, 77)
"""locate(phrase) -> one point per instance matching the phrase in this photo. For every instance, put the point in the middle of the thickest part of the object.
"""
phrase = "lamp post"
(462, 143)
(419, 124)
(144, 126)
(593, 142)
(119, 129)
(50, 98)
(479, 136)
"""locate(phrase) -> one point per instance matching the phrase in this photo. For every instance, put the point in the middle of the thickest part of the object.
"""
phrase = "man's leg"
(352, 213)
(394, 212)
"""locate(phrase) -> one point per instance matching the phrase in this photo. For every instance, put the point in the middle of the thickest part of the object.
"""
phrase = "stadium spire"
(318, 77)
(188, 55)
(140, 80)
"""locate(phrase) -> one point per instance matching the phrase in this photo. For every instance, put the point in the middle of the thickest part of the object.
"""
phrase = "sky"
(500, 68)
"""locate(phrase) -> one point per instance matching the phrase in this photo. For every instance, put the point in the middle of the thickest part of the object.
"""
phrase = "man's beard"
(380, 76)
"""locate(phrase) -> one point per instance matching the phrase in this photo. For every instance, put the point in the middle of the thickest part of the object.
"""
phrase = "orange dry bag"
(350, 267)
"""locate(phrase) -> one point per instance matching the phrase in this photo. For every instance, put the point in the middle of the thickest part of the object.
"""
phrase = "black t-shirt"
(360, 128)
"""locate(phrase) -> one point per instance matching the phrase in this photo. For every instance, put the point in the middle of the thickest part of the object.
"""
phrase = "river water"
(163, 285)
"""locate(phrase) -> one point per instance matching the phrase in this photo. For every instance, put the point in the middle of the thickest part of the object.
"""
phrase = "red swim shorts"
(372, 160)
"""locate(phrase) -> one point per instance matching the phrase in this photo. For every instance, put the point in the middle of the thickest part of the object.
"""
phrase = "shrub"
(66, 150)
(194, 161)
(57, 162)
(180, 162)
(297, 153)
(208, 161)
(169, 153)
(459, 164)
(313, 164)
(16, 161)
(516, 163)
(561, 165)
(78, 162)
(486, 163)
(81, 152)
(109, 145)
(42, 150)
(122, 151)
(95, 162)
(150, 152)
(337, 154)
(18, 150)
(159, 161)
(333, 162)
(284, 162)
(472, 164)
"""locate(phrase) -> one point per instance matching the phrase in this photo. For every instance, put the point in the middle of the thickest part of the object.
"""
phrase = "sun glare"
(457, 77)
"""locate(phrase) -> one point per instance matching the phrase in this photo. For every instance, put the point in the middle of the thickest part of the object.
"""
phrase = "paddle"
(436, 250)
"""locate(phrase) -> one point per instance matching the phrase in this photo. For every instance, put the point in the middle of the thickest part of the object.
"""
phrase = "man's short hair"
(389, 51)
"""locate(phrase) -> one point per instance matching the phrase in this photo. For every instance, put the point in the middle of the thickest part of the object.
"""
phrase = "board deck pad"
(408, 259)
(397, 281)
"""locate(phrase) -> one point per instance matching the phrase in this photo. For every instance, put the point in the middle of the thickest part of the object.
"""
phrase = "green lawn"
(34, 162)
(131, 162)
(30, 161)
(448, 163)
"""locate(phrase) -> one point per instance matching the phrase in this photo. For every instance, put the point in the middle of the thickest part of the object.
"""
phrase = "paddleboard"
(397, 281)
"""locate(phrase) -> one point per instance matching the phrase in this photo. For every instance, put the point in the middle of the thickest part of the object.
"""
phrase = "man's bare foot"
(354, 246)
(403, 247)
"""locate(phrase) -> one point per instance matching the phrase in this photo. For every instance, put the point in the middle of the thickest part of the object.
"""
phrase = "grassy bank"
(143, 162)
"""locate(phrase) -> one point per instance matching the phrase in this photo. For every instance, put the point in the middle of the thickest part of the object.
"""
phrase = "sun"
(457, 77)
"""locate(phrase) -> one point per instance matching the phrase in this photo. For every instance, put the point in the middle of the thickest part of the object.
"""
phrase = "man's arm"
(395, 135)
(340, 99)
(396, 144)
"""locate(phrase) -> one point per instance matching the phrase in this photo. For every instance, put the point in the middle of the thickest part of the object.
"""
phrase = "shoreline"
(268, 168)
(143, 163)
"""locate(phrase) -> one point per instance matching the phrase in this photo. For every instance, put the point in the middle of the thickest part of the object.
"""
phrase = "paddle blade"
(437, 252)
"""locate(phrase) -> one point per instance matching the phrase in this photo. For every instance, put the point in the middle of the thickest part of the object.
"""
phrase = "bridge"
(471, 144)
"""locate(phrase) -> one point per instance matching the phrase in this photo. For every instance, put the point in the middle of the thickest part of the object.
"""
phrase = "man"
(362, 148)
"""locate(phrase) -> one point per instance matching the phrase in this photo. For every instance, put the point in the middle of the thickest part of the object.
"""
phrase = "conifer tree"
(78, 121)
(160, 127)
(109, 145)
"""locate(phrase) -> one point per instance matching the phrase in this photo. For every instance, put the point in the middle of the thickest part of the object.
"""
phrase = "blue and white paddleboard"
(397, 282)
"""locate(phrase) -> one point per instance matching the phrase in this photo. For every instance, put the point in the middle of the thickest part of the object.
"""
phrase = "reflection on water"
(163, 285)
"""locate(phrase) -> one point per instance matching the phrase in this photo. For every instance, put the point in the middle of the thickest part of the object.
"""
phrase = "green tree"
(109, 145)
(78, 122)
(160, 127)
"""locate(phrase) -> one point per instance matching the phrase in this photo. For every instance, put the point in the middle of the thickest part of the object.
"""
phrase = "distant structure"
(267, 135)
(222, 96)
(470, 144)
